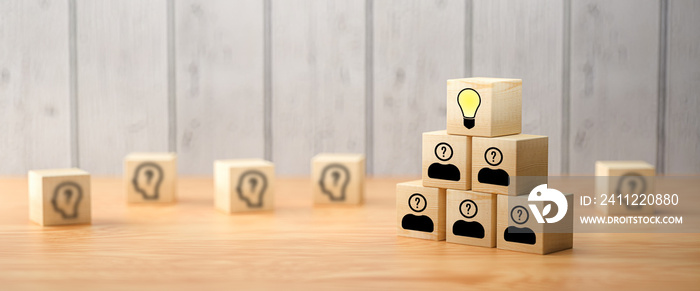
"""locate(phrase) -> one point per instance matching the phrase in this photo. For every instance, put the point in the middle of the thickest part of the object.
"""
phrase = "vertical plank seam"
(172, 98)
(566, 90)
(661, 106)
(73, 83)
(369, 86)
(267, 79)
(468, 38)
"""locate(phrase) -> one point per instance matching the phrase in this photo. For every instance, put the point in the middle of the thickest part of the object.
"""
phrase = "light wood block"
(420, 211)
(471, 218)
(446, 160)
(624, 178)
(150, 177)
(244, 185)
(484, 106)
(511, 165)
(59, 197)
(525, 234)
(338, 178)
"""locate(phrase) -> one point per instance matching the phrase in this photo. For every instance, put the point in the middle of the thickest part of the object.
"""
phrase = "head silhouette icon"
(147, 179)
(334, 181)
(251, 188)
(66, 198)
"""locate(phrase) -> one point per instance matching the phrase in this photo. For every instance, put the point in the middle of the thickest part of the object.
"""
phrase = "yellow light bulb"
(469, 101)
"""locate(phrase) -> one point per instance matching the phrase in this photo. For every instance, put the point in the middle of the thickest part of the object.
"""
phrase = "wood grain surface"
(417, 47)
(122, 81)
(318, 81)
(219, 69)
(215, 79)
(517, 39)
(682, 87)
(189, 245)
(614, 85)
(34, 86)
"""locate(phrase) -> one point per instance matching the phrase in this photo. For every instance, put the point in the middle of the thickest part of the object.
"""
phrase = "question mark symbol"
(493, 156)
(69, 194)
(336, 177)
(469, 207)
(520, 213)
(444, 150)
(253, 183)
(633, 185)
(417, 202)
(149, 176)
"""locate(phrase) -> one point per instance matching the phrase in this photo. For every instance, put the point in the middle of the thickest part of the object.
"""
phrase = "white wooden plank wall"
(122, 81)
(219, 69)
(34, 86)
(84, 82)
(318, 80)
(418, 45)
(614, 81)
(523, 39)
(682, 142)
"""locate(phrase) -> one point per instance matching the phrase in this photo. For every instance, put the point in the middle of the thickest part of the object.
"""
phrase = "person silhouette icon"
(443, 151)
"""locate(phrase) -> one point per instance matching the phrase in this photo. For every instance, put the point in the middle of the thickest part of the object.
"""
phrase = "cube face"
(420, 211)
(338, 178)
(471, 218)
(484, 106)
(244, 185)
(624, 178)
(518, 230)
(497, 161)
(59, 197)
(446, 160)
(150, 177)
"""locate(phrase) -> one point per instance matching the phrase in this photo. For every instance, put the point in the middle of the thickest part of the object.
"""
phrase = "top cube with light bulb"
(150, 177)
(486, 107)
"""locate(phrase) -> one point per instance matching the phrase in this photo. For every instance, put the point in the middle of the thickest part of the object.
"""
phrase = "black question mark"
(69, 194)
(253, 183)
(336, 177)
(520, 213)
(149, 176)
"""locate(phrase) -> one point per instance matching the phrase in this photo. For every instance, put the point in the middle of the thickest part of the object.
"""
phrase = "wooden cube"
(59, 197)
(518, 229)
(244, 185)
(150, 177)
(338, 178)
(420, 211)
(511, 165)
(622, 180)
(446, 160)
(484, 106)
(471, 218)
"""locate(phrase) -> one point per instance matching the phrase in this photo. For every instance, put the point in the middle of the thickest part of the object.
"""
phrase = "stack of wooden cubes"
(469, 193)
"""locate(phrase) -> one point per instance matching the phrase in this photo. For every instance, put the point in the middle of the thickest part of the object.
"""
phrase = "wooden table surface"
(190, 245)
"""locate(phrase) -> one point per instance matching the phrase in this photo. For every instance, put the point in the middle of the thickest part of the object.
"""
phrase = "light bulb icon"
(469, 101)
(147, 179)
(334, 181)
(66, 198)
(251, 188)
